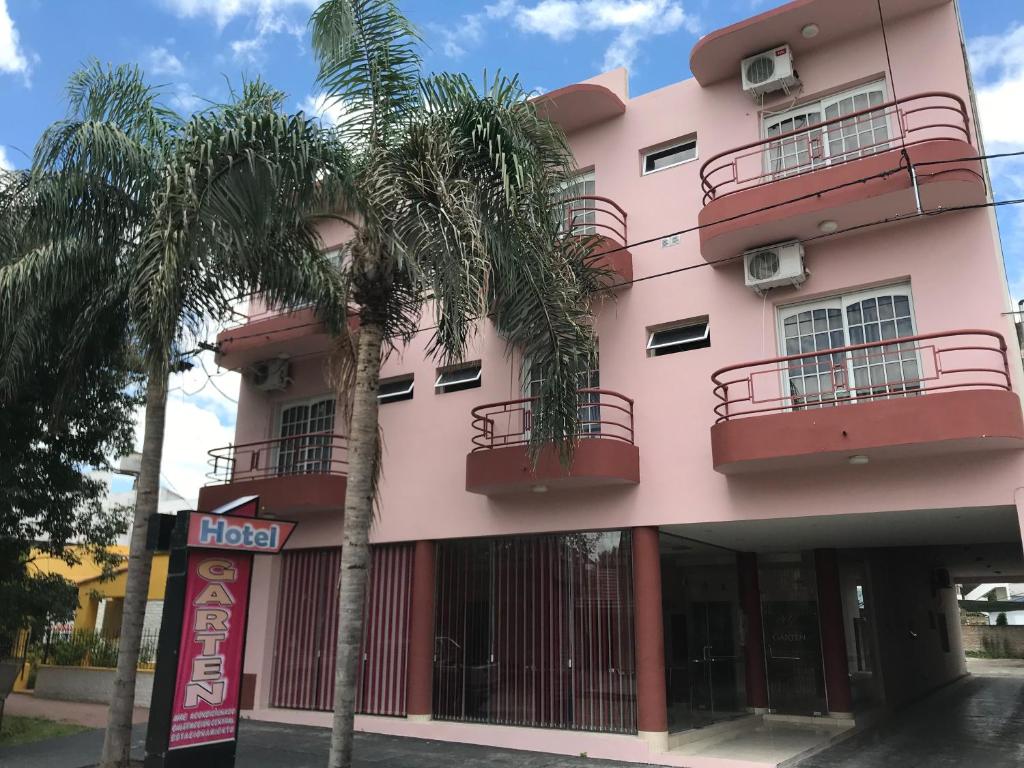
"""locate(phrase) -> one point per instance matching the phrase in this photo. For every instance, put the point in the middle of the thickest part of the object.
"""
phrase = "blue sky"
(196, 47)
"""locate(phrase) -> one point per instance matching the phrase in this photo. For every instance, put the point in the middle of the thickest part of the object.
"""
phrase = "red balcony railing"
(879, 128)
(593, 215)
(315, 453)
(909, 366)
(603, 414)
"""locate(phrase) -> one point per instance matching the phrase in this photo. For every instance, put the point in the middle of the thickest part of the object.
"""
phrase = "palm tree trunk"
(117, 742)
(359, 494)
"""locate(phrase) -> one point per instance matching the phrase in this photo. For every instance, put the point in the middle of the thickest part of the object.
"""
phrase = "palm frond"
(368, 66)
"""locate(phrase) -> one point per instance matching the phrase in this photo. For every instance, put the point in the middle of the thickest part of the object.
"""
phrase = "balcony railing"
(315, 453)
(890, 125)
(603, 414)
(594, 215)
(909, 366)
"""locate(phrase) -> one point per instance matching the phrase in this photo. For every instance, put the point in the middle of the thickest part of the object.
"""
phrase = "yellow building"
(100, 601)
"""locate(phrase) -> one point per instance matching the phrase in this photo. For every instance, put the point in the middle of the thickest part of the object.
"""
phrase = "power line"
(735, 217)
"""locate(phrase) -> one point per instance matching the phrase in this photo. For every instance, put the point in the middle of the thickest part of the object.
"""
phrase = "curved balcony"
(904, 397)
(290, 474)
(850, 169)
(605, 220)
(606, 453)
(268, 333)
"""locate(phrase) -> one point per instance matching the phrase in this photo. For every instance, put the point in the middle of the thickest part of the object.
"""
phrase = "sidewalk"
(80, 713)
(269, 745)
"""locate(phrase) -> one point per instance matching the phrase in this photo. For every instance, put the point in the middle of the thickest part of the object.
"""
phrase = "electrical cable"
(728, 219)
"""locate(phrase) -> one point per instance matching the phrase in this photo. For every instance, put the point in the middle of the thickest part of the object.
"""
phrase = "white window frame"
(275, 453)
(441, 388)
(396, 397)
(652, 347)
(567, 188)
(674, 144)
(821, 106)
(841, 301)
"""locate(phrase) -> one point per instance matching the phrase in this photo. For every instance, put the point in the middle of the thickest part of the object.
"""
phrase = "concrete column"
(419, 699)
(753, 641)
(651, 710)
(833, 638)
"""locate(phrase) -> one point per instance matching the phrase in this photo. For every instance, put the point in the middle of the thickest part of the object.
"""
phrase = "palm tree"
(450, 195)
(130, 209)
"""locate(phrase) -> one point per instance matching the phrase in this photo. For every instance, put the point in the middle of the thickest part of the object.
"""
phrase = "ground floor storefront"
(640, 644)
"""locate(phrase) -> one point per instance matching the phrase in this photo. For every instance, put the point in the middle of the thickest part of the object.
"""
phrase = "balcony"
(911, 396)
(605, 451)
(298, 473)
(590, 216)
(850, 170)
(269, 333)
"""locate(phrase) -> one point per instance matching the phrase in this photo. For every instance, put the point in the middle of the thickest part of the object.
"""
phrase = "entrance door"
(713, 665)
(789, 606)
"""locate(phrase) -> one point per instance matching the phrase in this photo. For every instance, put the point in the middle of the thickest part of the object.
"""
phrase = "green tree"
(450, 198)
(55, 429)
(130, 211)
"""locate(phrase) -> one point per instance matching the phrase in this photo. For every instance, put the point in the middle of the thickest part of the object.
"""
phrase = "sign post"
(193, 718)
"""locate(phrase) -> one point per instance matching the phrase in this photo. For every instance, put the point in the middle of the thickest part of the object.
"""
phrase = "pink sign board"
(209, 681)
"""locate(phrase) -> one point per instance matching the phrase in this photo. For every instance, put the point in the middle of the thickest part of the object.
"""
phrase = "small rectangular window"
(690, 334)
(393, 390)
(665, 157)
(456, 378)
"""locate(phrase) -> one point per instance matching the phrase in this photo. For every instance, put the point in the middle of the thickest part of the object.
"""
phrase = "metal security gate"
(536, 631)
(307, 630)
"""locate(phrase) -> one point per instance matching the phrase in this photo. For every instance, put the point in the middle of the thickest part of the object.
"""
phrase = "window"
(590, 402)
(816, 145)
(456, 378)
(578, 211)
(305, 429)
(665, 157)
(857, 318)
(679, 337)
(393, 390)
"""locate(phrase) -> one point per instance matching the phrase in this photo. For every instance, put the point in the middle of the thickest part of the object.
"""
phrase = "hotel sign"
(198, 686)
(211, 531)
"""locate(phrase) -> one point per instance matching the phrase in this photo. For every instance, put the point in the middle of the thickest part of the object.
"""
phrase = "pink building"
(803, 428)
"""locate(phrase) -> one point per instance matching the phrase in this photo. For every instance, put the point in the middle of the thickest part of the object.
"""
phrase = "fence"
(88, 648)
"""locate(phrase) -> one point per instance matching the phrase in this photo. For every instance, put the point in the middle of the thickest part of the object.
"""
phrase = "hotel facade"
(803, 429)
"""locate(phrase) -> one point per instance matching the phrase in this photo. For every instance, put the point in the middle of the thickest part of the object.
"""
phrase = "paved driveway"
(976, 723)
(265, 745)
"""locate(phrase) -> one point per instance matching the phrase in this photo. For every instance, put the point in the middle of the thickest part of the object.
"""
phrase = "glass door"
(307, 443)
(703, 662)
(789, 607)
(864, 317)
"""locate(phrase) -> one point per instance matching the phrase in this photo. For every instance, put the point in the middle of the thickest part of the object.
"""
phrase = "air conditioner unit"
(774, 265)
(269, 375)
(769, 71)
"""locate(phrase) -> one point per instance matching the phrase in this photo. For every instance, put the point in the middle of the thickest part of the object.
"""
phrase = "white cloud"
(5, 162)
(224, 11)
(199, 417)
(12, 58)
(184, 100)
(162, 62)
(332, 113)
(632, 21)
(997, 62)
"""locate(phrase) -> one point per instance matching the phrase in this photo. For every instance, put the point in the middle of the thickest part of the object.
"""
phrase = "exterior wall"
(1001, 642)
(951, 262)
(88, 684)
(905, 616)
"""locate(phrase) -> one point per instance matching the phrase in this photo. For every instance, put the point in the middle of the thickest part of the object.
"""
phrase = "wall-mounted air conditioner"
(269, 375)
(769, 71)
(773, 265)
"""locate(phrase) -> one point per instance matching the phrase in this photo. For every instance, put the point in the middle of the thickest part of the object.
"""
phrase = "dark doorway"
(789, 607)
(703, 667)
